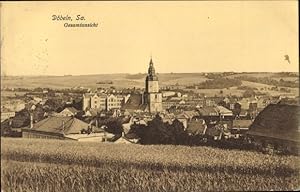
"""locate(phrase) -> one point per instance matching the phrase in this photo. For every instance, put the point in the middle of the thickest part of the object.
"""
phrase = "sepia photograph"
(149, 96)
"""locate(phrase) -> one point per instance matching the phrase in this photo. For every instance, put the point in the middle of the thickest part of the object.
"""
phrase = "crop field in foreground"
(52, 165)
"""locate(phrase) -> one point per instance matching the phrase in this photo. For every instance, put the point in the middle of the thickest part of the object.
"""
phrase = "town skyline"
(182, 37)
(145, 73)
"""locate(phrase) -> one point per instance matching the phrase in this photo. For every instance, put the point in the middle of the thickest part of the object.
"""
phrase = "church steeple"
(152, 95)
(151, 71)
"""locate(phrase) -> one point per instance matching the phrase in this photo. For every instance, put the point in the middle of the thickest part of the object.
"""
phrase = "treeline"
(136, 76)
(269, 81)
(49, 90)
(218, 83)
(164, 133)
(286, 74)
(158, 132)
(218, 75)
(104, 82)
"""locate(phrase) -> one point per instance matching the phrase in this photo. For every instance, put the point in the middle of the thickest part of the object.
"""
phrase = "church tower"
(152, 95)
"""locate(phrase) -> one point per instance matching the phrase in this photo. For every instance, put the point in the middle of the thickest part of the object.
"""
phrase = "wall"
(26, 134)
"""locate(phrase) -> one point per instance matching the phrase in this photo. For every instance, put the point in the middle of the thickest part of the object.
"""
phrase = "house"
(63, 127)
(208, 111)
(69, 111)
(183, 119)
(90, 137)
(210, 115)
(103, 101)
(243, 114)
(186, 116)
(125, 140)
(224, 112)
(241, 124)
(134, 104)
(240, 127)
(92, 112)
(277, 125)
(6, 114)
(114, 101)
(246, 102)
(230, 102)
(168, 93)
(13, 104)
(167, 117)
(212, 101)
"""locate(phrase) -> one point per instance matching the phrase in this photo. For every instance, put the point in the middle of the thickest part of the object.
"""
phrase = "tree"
(114, 125)
(249, 93)
(158, 132)
(237, 109)
(179, 133)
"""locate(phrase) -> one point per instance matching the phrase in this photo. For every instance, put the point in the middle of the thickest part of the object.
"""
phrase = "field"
(51, 165)
(89, 81)
(123, 80)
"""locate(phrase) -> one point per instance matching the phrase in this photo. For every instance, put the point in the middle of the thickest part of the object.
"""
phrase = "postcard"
(150, 96)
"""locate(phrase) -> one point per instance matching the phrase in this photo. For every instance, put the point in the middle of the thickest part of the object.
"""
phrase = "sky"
(181, 37)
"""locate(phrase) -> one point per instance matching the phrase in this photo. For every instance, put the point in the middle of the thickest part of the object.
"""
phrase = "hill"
(123, 80)
(119, 80)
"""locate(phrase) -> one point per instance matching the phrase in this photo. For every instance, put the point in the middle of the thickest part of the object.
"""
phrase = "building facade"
(102, 101)
(152, 95)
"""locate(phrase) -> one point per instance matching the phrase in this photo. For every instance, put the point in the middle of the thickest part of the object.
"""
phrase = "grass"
(51, 165)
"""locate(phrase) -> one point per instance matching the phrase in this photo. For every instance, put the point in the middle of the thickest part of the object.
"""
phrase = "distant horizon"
(144, 73)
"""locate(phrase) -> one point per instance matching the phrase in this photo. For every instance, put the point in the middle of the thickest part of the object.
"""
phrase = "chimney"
(97, 123)
(31, 121)
(123, 134)
(63, 125)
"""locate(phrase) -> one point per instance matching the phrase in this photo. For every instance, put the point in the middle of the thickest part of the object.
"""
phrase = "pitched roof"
(196, 127)
(123, 140)
(208, 111)
(223, 110)
(191, 114)
(278, 121)
(241, 123)
(134, 103)
(60, 124)
(72, 110)
(92, 94)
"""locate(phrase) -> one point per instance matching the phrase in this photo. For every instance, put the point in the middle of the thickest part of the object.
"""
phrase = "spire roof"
(151, 69)
(151, 62)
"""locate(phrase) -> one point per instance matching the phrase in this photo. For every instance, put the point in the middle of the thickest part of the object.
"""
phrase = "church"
(152, 96)
(151, 99)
